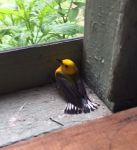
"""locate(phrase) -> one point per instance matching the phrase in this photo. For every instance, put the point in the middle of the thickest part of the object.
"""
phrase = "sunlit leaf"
(66, 28)
(73, 14)
(7, 11)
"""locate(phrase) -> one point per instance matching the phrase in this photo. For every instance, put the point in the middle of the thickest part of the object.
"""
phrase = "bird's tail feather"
(72, 109)
(89, 106)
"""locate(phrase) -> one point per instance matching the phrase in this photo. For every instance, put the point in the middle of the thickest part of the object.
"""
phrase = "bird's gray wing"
(81, 88)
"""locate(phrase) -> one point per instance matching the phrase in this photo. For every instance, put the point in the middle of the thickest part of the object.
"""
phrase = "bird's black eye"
(66, 66)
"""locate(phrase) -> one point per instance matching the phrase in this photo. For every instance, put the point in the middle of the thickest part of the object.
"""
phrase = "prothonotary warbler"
(69, 82)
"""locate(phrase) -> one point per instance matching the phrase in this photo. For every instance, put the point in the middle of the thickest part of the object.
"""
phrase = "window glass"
(28, 22)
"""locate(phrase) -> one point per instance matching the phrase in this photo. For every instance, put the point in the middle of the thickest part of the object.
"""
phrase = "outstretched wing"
(70, 90)
(76, 95)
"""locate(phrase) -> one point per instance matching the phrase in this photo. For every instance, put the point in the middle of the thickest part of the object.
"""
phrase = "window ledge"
(29, 113)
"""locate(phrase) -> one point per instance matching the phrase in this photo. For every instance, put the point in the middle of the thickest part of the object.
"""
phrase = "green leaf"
(73, 13)
(51, 18)
(7, 11)
(62, 12)
(79, 4)
(5, 31)
(20, 4)
(66, 28)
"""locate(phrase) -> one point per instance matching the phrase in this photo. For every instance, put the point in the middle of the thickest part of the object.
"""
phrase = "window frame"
(32, 66)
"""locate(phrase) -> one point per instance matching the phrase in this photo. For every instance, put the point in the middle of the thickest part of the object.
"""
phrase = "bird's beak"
(60, 61)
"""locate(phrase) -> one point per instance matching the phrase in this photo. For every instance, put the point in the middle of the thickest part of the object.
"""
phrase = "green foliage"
(39, 21)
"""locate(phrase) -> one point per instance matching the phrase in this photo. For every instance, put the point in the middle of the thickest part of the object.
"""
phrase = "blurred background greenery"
(28, 22)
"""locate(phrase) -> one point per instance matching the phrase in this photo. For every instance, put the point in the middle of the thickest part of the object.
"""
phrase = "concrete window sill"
(27, 113)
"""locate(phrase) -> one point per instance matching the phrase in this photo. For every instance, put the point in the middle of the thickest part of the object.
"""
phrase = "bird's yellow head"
(67, 67)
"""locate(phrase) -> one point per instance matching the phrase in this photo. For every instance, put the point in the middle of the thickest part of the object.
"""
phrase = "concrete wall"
(35, 65)
(124, 89)
(110, 50)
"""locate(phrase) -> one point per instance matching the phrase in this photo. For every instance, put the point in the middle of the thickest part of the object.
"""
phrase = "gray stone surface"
(101, 42)
(124, 89)
(32, 66)
(27, 113)
(110, 51)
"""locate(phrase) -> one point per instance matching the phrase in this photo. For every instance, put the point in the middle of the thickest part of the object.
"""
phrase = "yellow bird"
(69, 82)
